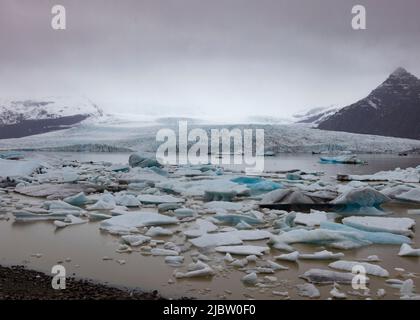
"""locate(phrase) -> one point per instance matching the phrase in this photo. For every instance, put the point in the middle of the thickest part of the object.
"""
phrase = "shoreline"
(19, 283)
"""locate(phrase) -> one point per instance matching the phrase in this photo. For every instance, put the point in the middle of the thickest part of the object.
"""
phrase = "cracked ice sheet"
(380, 224)
(243, 250)
(229, 238)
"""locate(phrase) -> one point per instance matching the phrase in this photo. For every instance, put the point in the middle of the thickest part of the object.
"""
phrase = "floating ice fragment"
(380, 224)
(371, 269)
(321, 255)
(137, 160)
(184, 212)
(68, 221)
(250, 279)
(79, 199)
(322, 276)
(156, 199)
(308, 290)
(201, 227)
(361, 197)
(229, 206)
(135, 240)
(174, 260)
(234, 219)
(293, 256)
(312, 219)
(163, 252)
(158, 232)
(343, 159)
(412, 196)
(243, 250)
(199, 269)
(407, 251)
(335, 293)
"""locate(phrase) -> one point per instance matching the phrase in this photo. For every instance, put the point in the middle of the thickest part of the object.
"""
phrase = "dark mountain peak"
(392, 109)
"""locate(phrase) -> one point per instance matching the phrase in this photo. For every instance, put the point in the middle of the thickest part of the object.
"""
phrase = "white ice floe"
(336, 294)
(250, 279)
(158, 199)
(18, 168)
(105, 202)
(321, 255)
(412, 196)
(312, 219)
(79, 199)
(408, 175)
(243, 250)
(401, 226)
(163, 252)
(225, 205)
(308, 290)
(371, 269)
(127, 200)
(362, 197)
(198, 269)
(174, 260)
(138, 219)
(68, 221)
(293, 256)
(323, 276)
(135, 240)
(184, 212)
(201, 227)
(407, 251)
(158, 232)
(229, 238)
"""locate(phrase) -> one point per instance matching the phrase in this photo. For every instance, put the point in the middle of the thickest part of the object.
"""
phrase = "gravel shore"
(18, 283)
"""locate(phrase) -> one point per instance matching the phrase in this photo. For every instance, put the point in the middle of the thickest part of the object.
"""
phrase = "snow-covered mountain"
(315, 115)
(19, 118)
(392, 109)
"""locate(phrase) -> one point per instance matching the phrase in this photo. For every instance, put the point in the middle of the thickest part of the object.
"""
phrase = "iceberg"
(234, 219)
(79, 199)
(371, 269)
(224, 205)
(250, 279)
(184, 212)
(380, 224)
(18, 168)
(243, 250)
(361, 197)
(127, 200)
(257, 185)
(287, 196)
(407, 251)
(105, 202)
(312, 219)
(198, 269)
(293, 256)
(409, 175)
(216, 239)
(163, 252)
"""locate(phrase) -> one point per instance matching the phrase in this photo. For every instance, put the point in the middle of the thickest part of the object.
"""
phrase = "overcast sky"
(206, 57)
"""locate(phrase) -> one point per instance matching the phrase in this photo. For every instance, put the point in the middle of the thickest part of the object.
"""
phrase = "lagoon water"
(86, 245)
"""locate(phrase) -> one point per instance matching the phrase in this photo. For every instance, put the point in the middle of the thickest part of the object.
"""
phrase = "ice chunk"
(366, 237)
(164, 252)
(380, 224)
(243, 250)
(293, 256)
(411, 196)
(184, 212)
(229, 206)
(18, 168)
(201, 227)
(322, 276)
(199, 269)
(127, 200)
(308, 290)
(408, 175)
(287, 196)
(60, 205)
(257, 185)
(234, 219)
(321, 255)
(407, 251)
(371, 269)
(312, 219)
(343, 159)
(105, 202)
(163, 207)
(229, 238)
(156, 199)
(361, 197)
(174, 260)
(68, 221)
(250, 279)
(158, 232)
(138, 219)
(79, 199)
(335, 293)
(138, 160)
(135, 240)
(28, 216)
